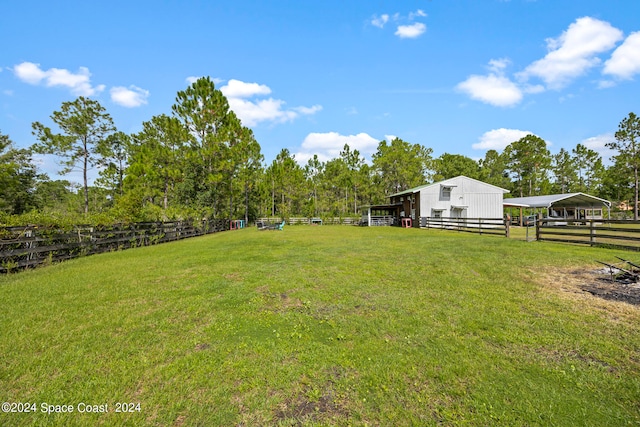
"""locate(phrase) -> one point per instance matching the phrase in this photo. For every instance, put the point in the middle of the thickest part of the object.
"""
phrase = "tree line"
(199, 161)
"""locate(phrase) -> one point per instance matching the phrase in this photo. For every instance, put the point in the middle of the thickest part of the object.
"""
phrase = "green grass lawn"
(331, 325)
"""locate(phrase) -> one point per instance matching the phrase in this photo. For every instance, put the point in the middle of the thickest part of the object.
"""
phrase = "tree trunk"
(121, 178)
(230, 201)
(273, 198)
(166, 193)
(84, 173)
(246, 202)
(635, 204)
(355, 200)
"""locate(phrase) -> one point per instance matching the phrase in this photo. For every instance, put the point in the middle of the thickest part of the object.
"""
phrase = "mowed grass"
(331, 325)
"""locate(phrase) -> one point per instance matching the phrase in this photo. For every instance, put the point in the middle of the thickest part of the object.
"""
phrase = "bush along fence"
(30, 246)
(622, 234)
(497, 226)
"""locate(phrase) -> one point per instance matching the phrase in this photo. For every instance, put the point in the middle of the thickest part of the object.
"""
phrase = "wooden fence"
(497, 226)
(623, 234)
(307, 221)
(28, 247)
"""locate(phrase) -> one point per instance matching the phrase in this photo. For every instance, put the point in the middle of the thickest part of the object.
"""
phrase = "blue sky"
(458, 76)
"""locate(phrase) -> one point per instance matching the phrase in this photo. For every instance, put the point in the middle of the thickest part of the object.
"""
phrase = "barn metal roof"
(559, 200)
(397, 205)
(444, 183)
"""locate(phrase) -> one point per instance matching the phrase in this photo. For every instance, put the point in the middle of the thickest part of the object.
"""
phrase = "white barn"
(459, 197)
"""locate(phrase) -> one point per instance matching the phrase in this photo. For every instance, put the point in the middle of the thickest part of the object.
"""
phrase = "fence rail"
(623, 234)
(307, 221)
(30, 246)
(383, 220)
(497, 226)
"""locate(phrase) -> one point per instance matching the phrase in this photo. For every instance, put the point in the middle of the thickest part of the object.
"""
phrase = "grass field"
(331, 325)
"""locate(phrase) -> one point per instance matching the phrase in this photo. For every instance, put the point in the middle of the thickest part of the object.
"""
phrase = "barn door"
(459, 213)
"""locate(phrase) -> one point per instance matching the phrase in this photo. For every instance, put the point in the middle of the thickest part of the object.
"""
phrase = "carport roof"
(566, 200)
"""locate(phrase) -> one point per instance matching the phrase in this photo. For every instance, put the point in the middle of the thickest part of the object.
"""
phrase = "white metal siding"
(482, 200)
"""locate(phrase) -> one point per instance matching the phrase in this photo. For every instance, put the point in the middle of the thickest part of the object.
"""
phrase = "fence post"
(507, 223)
(592, 232)
(538, 226)
(30, 245)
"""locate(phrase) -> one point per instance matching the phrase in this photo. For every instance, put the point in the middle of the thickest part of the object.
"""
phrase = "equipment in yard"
(629, 262)
(622, 275)
(266, 225)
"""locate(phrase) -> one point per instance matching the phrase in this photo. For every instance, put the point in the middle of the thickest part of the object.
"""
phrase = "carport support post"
(520, 218)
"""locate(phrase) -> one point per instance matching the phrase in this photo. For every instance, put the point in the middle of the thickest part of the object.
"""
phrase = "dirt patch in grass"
(233, 277)
(314, 404)
(585, 283)
(615, 292)
(556, 356)
(303, 409)
(279, 302)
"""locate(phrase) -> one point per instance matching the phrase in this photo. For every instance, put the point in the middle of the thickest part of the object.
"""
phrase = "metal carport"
(559, 205)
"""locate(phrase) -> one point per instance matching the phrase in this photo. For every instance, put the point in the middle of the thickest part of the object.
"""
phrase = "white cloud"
(573, 52)
(254, 111)
(411, 31)
(605, 84)
(379, 21)
(570, 55)
(239, 89)
(498, 139)
(417, 13)
(192, 79)
(625, 60)
(308, 110)
(130, 97)
(532, 89)
(493, 89)
(497, 66)
(328, 145)
(29, 72)
(390, 138)
(79, 83)
(597, 144)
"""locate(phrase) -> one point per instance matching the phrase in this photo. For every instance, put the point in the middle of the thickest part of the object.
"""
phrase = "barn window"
(445, 192)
